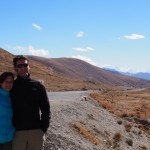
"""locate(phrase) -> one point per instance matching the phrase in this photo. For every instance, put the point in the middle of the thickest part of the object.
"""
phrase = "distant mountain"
(112, 70)
(71, 74)
(142, 75)
(81, 70)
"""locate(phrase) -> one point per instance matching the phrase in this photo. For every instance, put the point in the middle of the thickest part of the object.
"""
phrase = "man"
(31, 108)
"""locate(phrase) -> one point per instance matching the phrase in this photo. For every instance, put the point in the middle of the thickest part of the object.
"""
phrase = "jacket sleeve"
(45, 109)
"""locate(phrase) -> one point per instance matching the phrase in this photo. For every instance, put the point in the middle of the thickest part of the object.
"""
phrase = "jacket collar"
(4, 92)
(23, 78)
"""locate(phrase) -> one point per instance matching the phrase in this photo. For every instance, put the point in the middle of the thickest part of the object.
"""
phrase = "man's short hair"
(19, 57)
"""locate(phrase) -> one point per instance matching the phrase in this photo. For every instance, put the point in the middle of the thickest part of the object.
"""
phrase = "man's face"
(22, 68)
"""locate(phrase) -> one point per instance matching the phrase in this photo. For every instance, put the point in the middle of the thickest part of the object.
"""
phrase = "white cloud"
(134, 36)
(36, 26)
(83, 49)
(80, 34)
(38, 52)
(31, 50)
(86, 59)
(117, 67)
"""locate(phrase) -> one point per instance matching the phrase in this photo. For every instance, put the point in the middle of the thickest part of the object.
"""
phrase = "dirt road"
(70, 95)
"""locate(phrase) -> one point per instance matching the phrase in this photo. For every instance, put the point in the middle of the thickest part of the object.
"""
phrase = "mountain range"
(142, 75)
(72, 74)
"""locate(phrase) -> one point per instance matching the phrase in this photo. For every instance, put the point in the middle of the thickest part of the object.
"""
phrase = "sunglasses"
(22, 65)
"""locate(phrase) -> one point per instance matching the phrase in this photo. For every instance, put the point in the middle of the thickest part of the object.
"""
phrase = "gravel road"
(71, 95)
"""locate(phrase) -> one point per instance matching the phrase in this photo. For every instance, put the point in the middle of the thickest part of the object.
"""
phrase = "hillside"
(62, 74)
(52, 80)
(80, 70)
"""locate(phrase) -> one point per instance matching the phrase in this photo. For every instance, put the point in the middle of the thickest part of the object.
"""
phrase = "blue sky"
(112, 33)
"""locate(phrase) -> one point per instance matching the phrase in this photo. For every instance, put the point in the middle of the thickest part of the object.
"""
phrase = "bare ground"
(85, 125)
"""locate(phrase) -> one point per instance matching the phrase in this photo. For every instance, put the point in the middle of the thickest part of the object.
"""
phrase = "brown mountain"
(52, 80)
(71, 74)
(80, 70)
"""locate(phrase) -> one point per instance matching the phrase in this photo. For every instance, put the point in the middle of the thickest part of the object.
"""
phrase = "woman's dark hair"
(4, 75)
(19, 57)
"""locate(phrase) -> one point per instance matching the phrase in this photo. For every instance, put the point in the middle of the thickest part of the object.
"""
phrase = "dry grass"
(143, 147)
(117, 137)
(134, 104)
(128, 127)
(129, 103)
(116, 140)
(87, 133)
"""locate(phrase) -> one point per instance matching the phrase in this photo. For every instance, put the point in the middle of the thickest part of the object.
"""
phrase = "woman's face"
(7, 84)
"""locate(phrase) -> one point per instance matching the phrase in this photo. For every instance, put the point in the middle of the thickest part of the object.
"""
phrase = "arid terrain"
(100, 124)
(67, 74)
(129, 103)
(77, 69)
(114, 115)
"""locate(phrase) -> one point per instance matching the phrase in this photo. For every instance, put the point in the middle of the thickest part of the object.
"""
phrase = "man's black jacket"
(31, 108)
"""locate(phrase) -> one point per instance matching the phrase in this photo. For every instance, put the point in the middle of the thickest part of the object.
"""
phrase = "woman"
(6, 127)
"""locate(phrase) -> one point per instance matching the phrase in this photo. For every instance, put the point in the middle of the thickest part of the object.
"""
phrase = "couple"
(24, 109)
